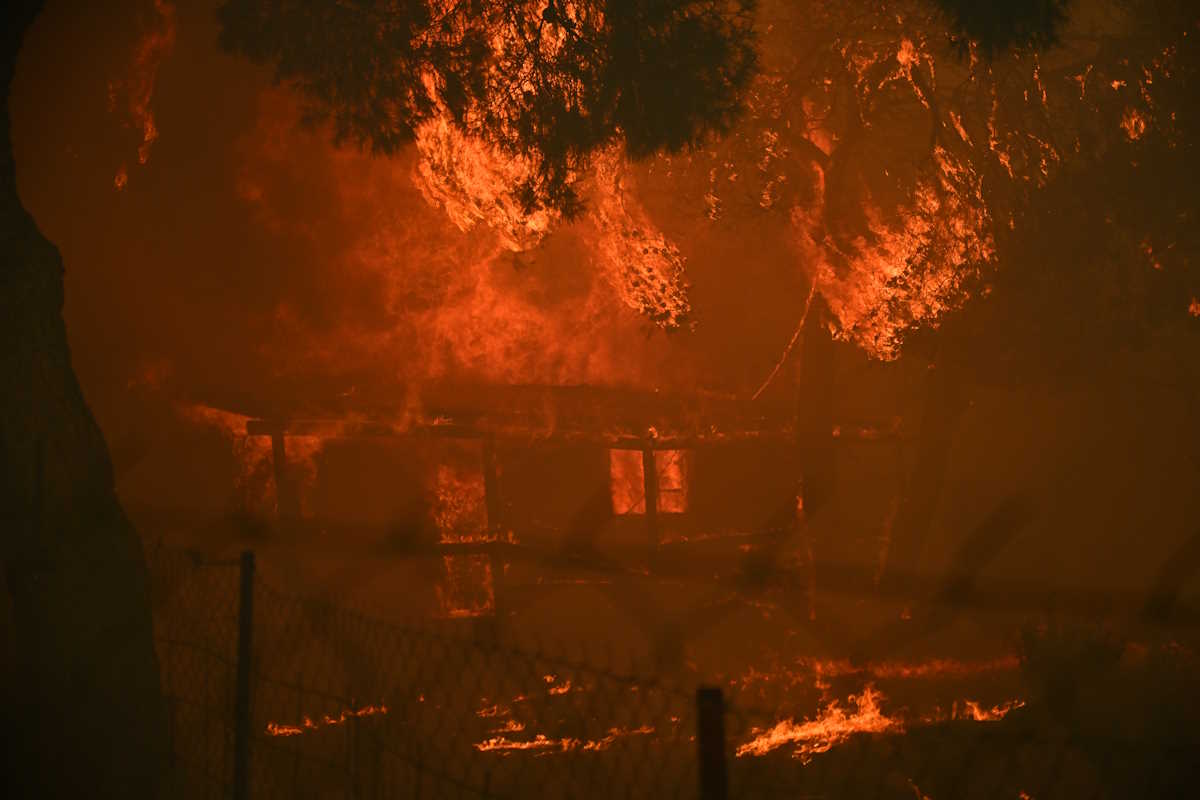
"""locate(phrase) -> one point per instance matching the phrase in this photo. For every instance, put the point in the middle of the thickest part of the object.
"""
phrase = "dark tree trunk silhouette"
(944, 404)
(814, 436)
(84, 705)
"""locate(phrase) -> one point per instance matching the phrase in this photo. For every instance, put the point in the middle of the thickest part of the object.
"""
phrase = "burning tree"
(546, 83)
(944, 178)
(914, 153)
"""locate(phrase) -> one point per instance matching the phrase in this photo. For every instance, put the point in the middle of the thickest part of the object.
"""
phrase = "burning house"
(512, 485)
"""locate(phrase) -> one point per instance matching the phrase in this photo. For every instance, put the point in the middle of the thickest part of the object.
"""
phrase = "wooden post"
(650, 484)
(710, 742)
(241, 708)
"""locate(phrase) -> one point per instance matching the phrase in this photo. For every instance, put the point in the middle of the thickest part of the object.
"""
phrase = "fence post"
(710, 741)
(241, 709)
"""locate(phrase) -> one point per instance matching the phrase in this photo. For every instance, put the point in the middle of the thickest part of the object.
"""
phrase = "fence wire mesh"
(344, 705)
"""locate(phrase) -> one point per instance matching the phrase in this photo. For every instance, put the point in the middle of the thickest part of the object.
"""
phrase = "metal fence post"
(241, 709)
(710, 741)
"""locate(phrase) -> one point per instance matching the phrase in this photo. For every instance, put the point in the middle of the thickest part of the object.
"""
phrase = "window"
(628, 486)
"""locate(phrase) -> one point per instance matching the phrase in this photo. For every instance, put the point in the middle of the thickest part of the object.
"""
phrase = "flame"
(643, 265)
(1133, 122)
(308, 724)
(544, 745)
(863, 714)
(911, 267)
(832, 726)
(412, 297)
(818, 671)
(1194, 307)
(473, 182)
(627, 482)
(510, 726)
(156, 44)
(460, 509)
(973, 711)
(495, 710)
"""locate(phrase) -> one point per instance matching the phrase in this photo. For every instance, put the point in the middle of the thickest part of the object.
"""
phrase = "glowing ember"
(1194, 307)
(833, 726)
(308, 724)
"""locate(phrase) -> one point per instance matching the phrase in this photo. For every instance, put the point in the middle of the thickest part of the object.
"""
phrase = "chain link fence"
(276, 695)
(343, 705)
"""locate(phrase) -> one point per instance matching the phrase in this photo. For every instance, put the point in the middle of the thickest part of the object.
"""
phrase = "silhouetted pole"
(710, 741)
(241, 708)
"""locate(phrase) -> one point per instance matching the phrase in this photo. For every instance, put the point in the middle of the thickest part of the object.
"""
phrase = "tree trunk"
(814, 436)
(84, 702)
(945, 401)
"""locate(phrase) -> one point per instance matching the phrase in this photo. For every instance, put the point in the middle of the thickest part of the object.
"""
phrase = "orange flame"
(1133, 122)
(832, 726)
(309, 724)
(544, 745)
(973, 711)
(643, 265)
(473, 182)
(911, 267)
(460, 510)
(155, 45)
